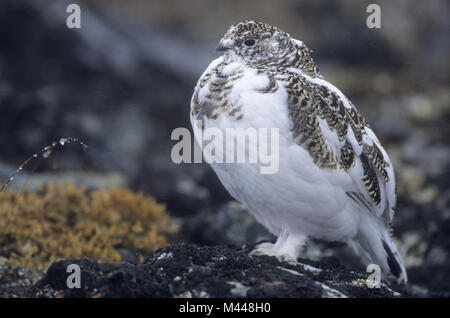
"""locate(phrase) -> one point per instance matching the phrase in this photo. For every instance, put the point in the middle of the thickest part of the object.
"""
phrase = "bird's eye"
(249, 42)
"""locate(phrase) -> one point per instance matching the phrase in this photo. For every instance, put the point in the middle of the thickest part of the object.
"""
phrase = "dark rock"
(107, 280)
(185, 270)
(16, 281)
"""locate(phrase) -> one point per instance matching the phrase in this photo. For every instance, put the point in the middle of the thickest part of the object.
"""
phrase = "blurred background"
(123, 82)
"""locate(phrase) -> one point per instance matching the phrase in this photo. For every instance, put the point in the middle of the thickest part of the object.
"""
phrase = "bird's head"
(255, 43)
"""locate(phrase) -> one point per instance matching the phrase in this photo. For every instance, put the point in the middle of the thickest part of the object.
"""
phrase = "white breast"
(300, 196)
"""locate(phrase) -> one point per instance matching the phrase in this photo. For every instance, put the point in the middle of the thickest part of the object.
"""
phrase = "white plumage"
(252, 86)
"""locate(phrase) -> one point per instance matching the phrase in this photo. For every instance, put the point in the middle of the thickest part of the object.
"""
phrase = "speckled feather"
(261, 60)
(307, 102)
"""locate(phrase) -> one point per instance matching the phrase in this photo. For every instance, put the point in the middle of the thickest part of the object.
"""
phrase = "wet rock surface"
(186, 270)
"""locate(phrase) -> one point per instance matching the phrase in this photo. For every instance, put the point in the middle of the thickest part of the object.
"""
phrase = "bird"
(335, 181)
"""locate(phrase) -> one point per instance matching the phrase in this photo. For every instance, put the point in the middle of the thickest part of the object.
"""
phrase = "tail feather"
(376, 246)
(392, 260)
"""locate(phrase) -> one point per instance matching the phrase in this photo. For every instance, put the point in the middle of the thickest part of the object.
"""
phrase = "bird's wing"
(338, 138)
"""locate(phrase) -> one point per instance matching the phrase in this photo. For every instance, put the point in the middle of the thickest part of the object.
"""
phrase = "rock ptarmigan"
(334, 180)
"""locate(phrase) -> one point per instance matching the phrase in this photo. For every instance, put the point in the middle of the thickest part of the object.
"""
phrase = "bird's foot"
(286, 249)
(270, 249)
(265, 248)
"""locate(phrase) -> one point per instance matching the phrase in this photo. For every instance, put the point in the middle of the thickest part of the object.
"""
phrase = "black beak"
(221, 48)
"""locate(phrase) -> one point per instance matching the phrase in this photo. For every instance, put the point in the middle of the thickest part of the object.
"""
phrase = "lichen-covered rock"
(185, 270)
(17, 281)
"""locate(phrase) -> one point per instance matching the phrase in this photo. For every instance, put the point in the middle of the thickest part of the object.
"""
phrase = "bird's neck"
(302, 59)
(295, 56)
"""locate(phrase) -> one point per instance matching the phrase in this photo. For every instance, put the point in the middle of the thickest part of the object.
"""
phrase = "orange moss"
(68, 222)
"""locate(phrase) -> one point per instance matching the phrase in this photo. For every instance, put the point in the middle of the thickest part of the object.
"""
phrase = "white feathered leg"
(287, 248)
